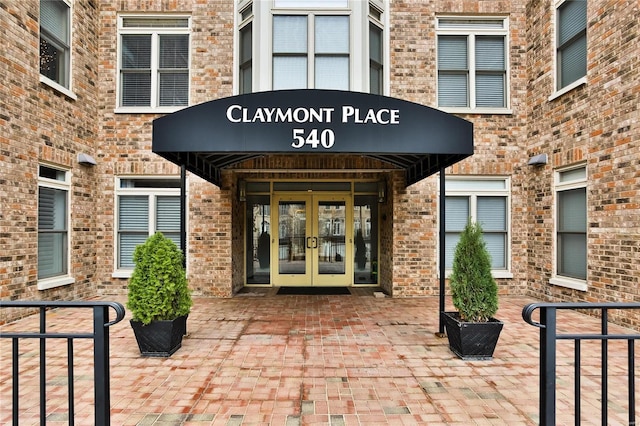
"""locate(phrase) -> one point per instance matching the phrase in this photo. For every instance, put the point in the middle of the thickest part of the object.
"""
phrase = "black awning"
(212, 136)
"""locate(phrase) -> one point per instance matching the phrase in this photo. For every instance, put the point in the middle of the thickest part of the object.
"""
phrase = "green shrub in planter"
(158, 288)
(474, 291)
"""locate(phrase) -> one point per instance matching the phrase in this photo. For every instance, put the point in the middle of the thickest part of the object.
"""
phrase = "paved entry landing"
(265, 359)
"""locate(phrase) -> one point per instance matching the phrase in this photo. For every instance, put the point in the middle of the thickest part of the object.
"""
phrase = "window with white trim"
(53, 223)
(571, 42)
(55, 42)
(153, 62)
(472, 63)
(310, 44)
(571, 223)
(482, 200)
(144, 207)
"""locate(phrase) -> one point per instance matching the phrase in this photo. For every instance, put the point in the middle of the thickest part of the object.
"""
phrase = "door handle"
(308, 245)
(315, 242)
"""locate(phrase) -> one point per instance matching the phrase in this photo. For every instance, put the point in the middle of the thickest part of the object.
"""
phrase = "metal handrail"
(100, 337)
(548, 338)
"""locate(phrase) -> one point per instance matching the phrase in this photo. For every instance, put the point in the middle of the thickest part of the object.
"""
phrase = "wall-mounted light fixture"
(382, 191)
(538, 160)
(86, 160)
(242, 190)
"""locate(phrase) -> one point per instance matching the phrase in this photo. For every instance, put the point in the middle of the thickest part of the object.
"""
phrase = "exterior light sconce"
(538, 160)
(382, 192)
(242, 190)
(86, 160)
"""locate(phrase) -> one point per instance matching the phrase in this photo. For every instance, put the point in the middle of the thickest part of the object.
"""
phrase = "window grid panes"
(55, 41)
(143, 209)
(320, 60)
(472, 63)
(479, 205)
(375, 60)
(154, 62)
(571, 199)
(53, 194)
(571, 41)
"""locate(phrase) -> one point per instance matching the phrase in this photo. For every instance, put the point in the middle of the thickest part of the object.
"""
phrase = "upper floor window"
(55, 42)
(53, 226)
(145, 206)
(331, 44)
(571, 224)
(571, 42)
(319, 60)
(472, 63)
(482, 200)
(153, 63)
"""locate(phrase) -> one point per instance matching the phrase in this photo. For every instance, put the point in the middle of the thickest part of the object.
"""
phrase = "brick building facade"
(585, 132)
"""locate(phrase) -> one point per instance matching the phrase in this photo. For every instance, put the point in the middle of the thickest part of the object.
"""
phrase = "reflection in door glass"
(365, 228)
(258, 239)
(331, 230)
(292, 237)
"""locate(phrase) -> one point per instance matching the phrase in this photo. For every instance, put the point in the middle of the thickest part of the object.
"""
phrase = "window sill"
(569, 283)
(579, 82)
(54, 282)
(122, 273)
(481, 111)
(58, 88)
(148, 110)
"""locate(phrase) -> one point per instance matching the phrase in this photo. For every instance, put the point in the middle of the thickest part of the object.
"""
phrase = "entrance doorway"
(311, 234)
(311, 243)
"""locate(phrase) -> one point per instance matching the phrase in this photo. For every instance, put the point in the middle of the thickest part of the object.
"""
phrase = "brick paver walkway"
(262, 359)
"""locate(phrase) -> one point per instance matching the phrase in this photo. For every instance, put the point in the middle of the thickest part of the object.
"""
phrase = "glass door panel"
(365, 231)
(258, 244)
(331, 237)
(332, 226)
(294, 241)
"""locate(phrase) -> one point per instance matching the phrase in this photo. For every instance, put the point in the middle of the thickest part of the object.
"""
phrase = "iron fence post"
(548, 366)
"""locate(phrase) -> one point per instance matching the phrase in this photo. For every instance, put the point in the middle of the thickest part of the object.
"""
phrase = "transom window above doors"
(310, 44)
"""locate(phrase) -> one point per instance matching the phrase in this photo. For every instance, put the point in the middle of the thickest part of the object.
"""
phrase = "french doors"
(313, 242)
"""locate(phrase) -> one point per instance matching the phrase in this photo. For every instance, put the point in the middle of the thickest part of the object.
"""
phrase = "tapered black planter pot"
(472, 340)
(160, 338)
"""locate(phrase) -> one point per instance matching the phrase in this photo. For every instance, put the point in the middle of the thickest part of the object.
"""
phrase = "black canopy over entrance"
(207, 138)
(212, 136)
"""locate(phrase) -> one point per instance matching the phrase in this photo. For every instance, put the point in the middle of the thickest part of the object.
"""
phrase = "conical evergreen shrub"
(473, 289)
(158, 288)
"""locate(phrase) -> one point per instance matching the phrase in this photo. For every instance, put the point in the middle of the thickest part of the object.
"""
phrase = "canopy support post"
(442, 235)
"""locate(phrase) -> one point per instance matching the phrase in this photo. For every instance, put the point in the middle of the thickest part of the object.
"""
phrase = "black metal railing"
(100, 337)
(549, 335)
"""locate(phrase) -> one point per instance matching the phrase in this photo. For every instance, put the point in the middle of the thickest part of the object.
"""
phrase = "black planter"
(472, 340)
(160, 338)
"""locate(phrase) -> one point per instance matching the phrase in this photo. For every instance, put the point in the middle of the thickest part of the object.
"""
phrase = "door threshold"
(314, 291)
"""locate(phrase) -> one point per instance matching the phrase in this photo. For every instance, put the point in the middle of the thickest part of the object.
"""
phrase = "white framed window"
(484, 200)
(571, 44)
(153, 63)
(376, 51)
(53, 227)
(144, 206)
(246, 50)
(473, 64)
(571, 227)
(55, 45)
(311, 51)
(310, 44)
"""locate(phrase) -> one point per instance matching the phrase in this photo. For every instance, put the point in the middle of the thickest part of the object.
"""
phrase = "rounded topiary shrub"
(473, 289)
(158, 288)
